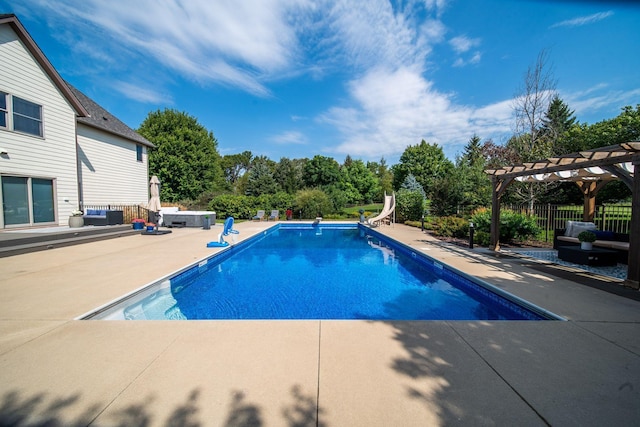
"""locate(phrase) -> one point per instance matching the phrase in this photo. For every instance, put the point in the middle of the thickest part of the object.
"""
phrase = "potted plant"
(150, 226)
(137, 223)
(76, 220)
(586, 240)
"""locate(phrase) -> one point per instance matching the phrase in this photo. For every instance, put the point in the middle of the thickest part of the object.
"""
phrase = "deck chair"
(275, 215)
(259, 216)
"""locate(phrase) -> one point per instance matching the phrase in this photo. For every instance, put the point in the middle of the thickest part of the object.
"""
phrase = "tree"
(186, 159)
(321, 171)
(384, 175)
(235, 166)
(475, 184)
(426, 162)
(357, 176)
(289, 174)
(556, 122)
(411, 184)
(530, 105)
(260, 178)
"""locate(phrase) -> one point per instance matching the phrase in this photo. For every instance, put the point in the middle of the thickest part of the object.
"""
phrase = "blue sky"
(296, 78)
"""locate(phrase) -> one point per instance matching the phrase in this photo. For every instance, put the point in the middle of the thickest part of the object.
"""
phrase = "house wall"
(52, 156)
(109, 170)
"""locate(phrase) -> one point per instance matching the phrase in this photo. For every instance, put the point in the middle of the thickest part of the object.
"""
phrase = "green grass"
(355, 210)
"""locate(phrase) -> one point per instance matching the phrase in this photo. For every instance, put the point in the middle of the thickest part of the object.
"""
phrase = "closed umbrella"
(154, 201)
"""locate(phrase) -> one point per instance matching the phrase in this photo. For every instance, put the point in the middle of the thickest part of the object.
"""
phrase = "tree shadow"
(44, 410)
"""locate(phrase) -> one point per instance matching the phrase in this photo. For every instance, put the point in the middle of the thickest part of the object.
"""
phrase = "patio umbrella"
(154, 201)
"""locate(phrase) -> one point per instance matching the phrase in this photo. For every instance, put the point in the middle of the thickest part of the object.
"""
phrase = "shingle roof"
(104, 120)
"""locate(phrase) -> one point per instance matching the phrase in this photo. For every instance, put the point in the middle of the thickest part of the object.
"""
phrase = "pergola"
(590, 170)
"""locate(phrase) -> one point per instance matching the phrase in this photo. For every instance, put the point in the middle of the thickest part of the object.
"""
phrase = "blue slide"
(227, 230)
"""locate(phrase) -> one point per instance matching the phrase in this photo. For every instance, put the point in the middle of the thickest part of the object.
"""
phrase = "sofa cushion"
(604, 235)
(91, 212)
(576, 227)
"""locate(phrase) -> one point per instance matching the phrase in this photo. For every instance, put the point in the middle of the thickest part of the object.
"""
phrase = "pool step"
(12, 243)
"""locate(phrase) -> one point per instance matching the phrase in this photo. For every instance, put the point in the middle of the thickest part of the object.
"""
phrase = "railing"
(615, 218)
(129, 211)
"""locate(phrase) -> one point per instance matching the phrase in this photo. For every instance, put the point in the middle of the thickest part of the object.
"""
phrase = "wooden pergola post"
(633, 263)
(499, 185)
(494, 240)
(610, 159)
(589, 190)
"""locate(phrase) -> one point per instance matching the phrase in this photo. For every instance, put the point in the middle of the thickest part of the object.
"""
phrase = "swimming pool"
(326, 271)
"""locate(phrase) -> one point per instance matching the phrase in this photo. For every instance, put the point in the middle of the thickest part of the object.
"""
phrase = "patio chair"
(259, 216)
(275, 215)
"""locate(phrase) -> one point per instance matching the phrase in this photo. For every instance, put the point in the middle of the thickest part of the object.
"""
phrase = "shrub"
(227, 205)
(513, 226)
(310, 203)
(409, 205)
(450, 226)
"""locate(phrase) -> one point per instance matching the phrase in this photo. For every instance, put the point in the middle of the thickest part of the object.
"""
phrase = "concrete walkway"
(58, 371)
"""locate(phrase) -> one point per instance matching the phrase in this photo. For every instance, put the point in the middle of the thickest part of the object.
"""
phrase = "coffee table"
(595, 256)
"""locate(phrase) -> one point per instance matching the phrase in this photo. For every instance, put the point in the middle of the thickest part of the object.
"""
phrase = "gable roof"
(42, 60)
(87, 111)
(102, 119)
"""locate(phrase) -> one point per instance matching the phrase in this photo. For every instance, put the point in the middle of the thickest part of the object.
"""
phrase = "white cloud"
(583, 20)
(290, 137)
(462, 44)
(600, 97)
(229, 42)
(395, 109)
(141, 94)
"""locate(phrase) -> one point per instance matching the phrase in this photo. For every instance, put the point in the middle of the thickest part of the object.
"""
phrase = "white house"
(59, 150)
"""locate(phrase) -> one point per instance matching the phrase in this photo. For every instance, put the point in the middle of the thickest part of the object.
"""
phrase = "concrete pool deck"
(582, 372)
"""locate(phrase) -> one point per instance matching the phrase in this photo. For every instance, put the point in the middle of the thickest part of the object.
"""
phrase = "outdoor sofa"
(568, 236)
(103, 217)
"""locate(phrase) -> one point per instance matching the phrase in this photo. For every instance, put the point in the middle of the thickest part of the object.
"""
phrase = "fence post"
(546, 228)
(604, 219)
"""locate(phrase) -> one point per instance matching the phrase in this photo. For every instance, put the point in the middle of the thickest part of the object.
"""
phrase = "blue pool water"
(320, 272)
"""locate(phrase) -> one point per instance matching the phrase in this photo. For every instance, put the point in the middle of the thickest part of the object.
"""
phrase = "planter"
(586, 246)
(138, 225)
(150, 227)
(206, 223)
(76, 221)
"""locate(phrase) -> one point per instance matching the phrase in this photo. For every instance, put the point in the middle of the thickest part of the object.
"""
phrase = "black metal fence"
(615, 218)
(129, 211)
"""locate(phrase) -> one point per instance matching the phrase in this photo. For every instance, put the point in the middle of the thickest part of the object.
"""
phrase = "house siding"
(54, 155)
(109, 170)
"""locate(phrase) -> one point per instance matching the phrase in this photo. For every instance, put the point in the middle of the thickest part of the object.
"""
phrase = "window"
(27, 117)
(139, 152)
(20, 115)
(3, 110)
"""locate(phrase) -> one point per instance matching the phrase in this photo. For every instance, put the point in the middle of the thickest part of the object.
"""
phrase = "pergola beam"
(606, 158)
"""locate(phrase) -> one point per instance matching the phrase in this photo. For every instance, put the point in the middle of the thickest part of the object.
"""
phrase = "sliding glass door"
(27, 201)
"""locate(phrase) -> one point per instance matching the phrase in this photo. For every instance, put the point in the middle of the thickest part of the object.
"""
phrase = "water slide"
(387, 210)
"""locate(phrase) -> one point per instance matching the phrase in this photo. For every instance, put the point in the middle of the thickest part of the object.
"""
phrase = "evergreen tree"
(410, 183)
(260, 178)
(557, 121)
